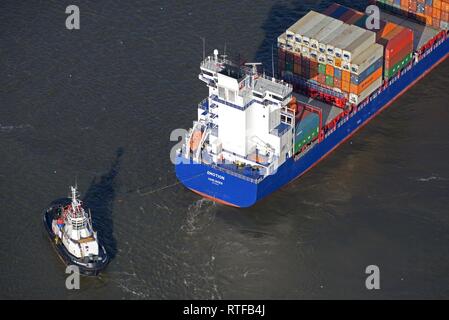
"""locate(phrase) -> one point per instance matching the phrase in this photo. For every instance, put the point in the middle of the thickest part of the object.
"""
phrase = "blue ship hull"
(227, 188)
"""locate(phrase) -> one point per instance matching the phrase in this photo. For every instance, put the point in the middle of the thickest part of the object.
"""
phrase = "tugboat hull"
(87, 268)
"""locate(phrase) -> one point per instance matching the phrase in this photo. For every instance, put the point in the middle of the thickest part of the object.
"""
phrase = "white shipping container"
(345, 65)
(314, 54)
(305, 52)
(358, 45)
(307, 35)
(307, 28)
(282, 41)
(329, 47)
(345, 38)
(325, 32)
(327, 22)
(364, 60)
(305, 22)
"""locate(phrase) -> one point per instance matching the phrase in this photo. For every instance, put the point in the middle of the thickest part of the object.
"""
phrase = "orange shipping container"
(358, 89)
(345, 86)
(329, 70)
(444, 16)
(338, 62)
(445, 6)
(436, 13)
(346, 76)
(297, 69)
(387, 29)
(437, 4)
(429, 21)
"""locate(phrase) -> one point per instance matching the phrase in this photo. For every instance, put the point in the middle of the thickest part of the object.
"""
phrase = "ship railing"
(213, 64)
(236, 174)
(278, 81)
(229, 104)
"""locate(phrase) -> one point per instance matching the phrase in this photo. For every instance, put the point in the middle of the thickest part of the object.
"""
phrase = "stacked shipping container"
(397, 40)
(333, 54)
(431, 12)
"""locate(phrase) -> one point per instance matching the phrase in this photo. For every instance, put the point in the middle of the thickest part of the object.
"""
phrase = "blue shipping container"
(357, 79)
(339, 12)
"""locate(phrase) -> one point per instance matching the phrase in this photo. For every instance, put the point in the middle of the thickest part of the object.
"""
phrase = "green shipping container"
(399, 66)
(330, 81)
(322, 68)
(310, 136)
(289, 66)
(306, 130)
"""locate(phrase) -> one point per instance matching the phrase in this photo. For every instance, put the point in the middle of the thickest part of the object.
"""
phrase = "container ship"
(336, 71)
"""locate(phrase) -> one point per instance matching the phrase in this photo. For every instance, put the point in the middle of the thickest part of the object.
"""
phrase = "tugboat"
(69, 227)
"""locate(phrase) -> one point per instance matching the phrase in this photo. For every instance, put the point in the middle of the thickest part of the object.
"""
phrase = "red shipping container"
(314, 77)
(444, 16)
(428, 11)
(398, 57)
(297, 59)
(436, 22)
(297, 69)
(398, 42)
(337, 83)
(436, 13)
(385, 29)
(322, 78)
(413, 7)
(347, 15)
(314, 74)
(393, 54)
(281, 54)
(356, 17)
(389, 33)
(445, 6)
(331, 9)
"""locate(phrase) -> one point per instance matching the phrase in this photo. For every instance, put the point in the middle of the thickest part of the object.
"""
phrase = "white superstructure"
(74, 229)
(244, 120)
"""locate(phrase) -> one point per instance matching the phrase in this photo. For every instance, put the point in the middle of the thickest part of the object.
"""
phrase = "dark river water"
(97, 106)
